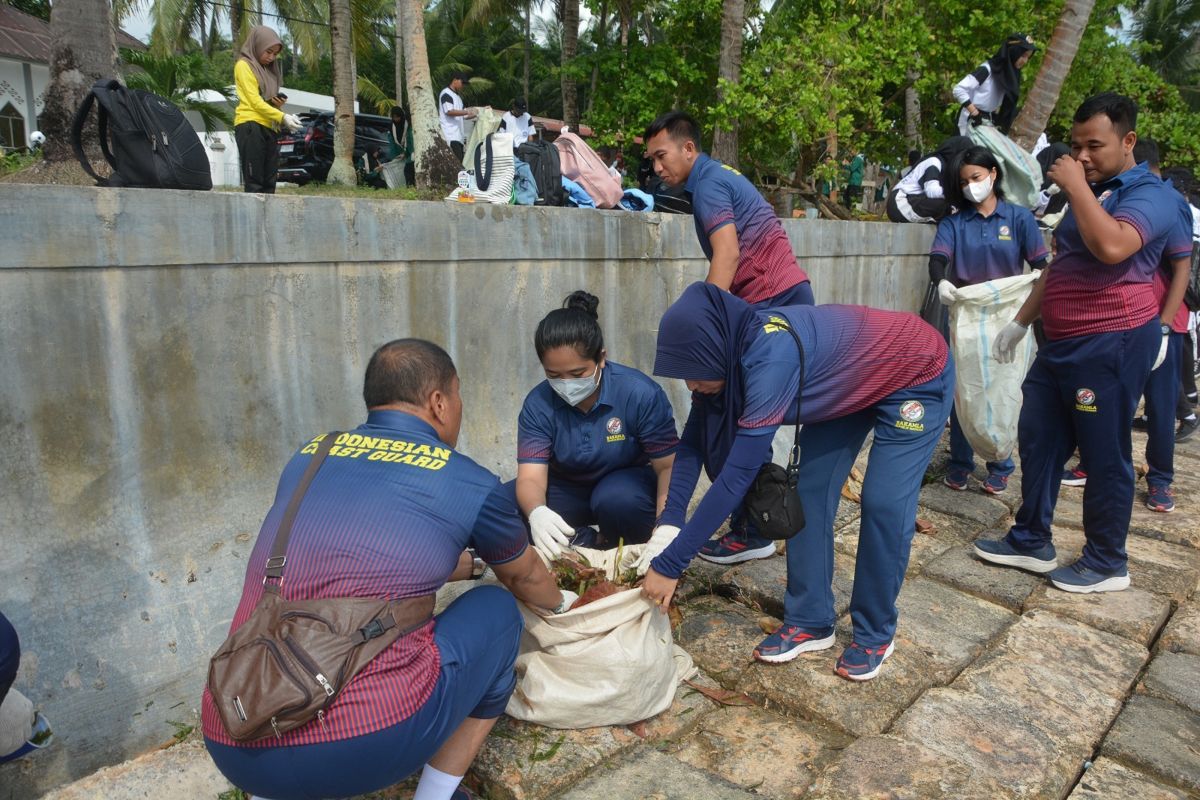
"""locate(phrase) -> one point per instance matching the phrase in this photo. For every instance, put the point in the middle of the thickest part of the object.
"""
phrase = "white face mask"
(576, 390)
(979, 191)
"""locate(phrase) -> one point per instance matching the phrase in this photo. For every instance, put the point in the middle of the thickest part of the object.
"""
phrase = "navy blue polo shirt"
(980, 248)
(631, 423)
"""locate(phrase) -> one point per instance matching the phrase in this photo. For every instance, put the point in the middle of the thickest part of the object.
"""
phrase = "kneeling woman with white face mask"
(595, 440)
(987, 239)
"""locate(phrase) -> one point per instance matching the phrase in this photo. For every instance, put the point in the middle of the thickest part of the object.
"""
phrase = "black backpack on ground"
(542, 158)
(669, 199)
(153, 145)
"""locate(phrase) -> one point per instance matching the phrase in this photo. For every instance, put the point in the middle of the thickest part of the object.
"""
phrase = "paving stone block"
(1178, 528)
(182, 770)
(701, 577)
(773, 755)
(1182, 634)
(720, 635)
(977, 506)
(949, 626)
(925, 548)
(1075, 701)
(992, 739)
(809, 688)
(1159, 738)
(1158, 567)
(760, 584)
(1134, 613)
(1174, 677)
(522, 761)
(651, 775)
(1004, 586)
(899, 769)
(949, 528)
(1108, 780)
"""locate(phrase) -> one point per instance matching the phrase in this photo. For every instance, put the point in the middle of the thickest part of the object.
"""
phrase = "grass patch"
(16, 161)
(233, 794)
(182, 730)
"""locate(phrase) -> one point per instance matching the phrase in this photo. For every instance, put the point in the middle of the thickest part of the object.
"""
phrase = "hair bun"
(583, 301)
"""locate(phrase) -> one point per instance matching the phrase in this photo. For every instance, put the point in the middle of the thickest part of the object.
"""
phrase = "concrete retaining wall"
(164, 352)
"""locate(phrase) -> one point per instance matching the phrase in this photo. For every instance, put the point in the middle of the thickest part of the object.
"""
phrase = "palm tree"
(1170, 27)
(1043, 96)
(84, 50)
(570, 46)
(342, 169)
(729, 72)
(434, 163)
(179, 78)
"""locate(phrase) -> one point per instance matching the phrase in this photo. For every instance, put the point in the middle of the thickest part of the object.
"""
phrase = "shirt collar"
(1122, 178)
(972, 211)
(398, 421)
(694, 175)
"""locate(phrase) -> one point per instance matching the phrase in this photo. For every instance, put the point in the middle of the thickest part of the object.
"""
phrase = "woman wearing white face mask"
(595, 440)
(987, 239)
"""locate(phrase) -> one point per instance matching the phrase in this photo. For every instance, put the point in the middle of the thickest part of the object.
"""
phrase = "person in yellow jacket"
(258, 117)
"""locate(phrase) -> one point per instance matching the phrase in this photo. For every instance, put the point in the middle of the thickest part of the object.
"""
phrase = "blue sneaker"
(859, 663)
(789, 641)
(999, 551)
(1081, 580)
(1074, 477)
(995, 484)
(956, 479)
(40, 738)
(735, 547)
(1161, 499)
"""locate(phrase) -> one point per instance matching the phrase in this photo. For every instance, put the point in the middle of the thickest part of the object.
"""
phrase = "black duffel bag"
(152, 144)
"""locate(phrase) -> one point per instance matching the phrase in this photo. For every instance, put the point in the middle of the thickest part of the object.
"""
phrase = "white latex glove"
(568, 597)
(659, 540)
(292, 122)
(1162, 352)
(1004, 349)
(945, 292)
(550, 532)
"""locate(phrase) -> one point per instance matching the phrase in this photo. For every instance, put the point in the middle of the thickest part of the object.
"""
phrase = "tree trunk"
(84, 49)
(528, 48)
(912, 112)
(237, 20)
(729, 68)
(398, 44)
(601, 35)
(342, 170)
(1043, 96)
(570, 46)
(625, 13)
(434, 162)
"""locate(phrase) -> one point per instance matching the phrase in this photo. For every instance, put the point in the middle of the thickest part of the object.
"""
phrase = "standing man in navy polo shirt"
(1104, 336)
(748, 252)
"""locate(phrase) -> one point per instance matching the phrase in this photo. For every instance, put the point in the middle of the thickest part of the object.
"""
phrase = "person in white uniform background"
(992, 91)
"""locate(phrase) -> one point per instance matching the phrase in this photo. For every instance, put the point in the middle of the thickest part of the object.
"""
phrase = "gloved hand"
(1004, 349)
(292, 122)
(1162, 352)
(945, 292)
(550, 532)
(659, 540)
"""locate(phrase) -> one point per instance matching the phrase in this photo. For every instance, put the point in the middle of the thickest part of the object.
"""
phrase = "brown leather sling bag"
(286, 664)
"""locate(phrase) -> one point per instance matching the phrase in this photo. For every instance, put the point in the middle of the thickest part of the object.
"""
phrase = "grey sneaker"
(999, 551)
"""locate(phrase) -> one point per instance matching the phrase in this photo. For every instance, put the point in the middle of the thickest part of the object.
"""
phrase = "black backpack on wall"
(542, 158)
(152, 144)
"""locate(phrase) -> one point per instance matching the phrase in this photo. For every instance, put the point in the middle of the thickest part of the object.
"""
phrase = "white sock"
(436, 785)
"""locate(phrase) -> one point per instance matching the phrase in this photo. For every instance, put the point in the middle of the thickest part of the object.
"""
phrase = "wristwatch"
(1166, 329)
(478, 567)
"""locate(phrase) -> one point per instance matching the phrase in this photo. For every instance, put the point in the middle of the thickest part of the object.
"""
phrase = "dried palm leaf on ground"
(852, 488)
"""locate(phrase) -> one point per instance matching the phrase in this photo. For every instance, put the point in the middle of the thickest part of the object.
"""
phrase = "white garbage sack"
(987, 394)
(611, 662)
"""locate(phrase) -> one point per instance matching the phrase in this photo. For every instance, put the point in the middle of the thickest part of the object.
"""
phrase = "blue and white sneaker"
(1161, 499)
(859, 663)
(956, 479)
(789, 641)
(999, 551)
(735, 547)
(1081, 580)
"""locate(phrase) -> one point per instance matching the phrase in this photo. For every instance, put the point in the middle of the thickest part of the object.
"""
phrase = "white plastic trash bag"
(987, 394)
(611, 662)
(1022, 172)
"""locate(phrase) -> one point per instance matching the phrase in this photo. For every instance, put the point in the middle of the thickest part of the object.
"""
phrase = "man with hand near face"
(1097, 304)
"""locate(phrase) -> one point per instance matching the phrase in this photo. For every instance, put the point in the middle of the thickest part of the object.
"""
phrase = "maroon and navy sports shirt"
(722, 196)
(1085, 296)
(387, 515)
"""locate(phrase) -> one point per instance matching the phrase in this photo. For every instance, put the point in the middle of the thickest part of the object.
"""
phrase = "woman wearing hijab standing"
(986, 240)
(862, 370)
(595, 440)
(257, 118)
(920, 196)
(992, 91)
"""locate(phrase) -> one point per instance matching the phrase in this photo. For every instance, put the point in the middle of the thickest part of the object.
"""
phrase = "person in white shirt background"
(517, 122)
(992, 91)
(451, 114)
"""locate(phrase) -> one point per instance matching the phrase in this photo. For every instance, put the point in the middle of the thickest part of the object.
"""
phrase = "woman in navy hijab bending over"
(864, 370)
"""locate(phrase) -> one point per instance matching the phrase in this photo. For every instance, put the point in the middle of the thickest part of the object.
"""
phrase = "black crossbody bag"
(772, 501)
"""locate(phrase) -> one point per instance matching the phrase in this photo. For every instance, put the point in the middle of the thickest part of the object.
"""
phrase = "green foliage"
(37, 8)
(17, 160)
(178, 78)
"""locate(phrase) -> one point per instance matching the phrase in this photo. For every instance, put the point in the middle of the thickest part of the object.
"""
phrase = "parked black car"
(307, 154)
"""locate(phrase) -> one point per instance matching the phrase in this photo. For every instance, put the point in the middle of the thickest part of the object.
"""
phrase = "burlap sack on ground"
(611, 662)
(987, 394)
